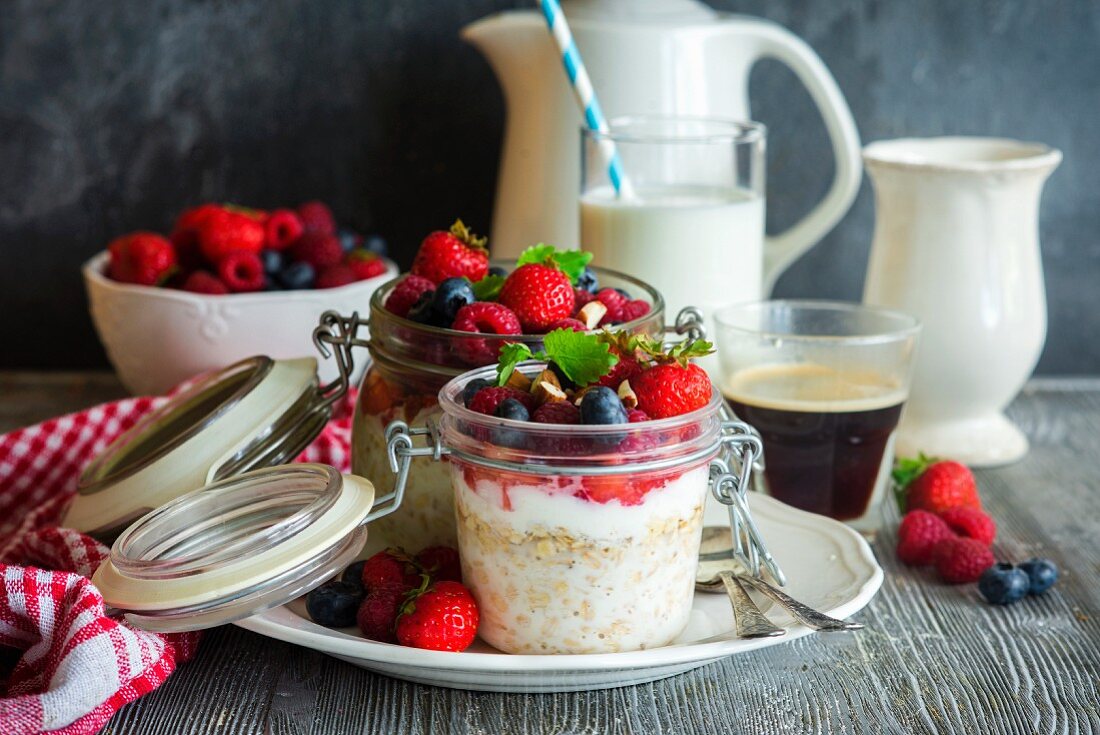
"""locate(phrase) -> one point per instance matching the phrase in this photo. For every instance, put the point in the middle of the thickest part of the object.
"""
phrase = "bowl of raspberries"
(226, 283)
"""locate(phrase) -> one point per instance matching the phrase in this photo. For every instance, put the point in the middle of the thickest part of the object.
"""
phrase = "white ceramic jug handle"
(783, 249)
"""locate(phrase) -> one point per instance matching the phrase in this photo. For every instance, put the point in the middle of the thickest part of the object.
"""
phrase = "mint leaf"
(583, 358)
(488, 288)
(572, 263)
(511, 354)
(536, 254)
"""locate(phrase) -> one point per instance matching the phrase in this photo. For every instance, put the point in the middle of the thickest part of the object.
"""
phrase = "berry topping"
(377, 614)
(580, 298)
(144, 258)
(443, 617)
(390, 567)
(488, 318)
(512, 408)
(539, 295)
(334, 276)
(444, 255)
(568, 323)
(319, 249)
(601, 405)
(204, 282)
(557, 412)
(222, 231)
(1003, 584)
(970, 522)
(365, 264)
(614, 301)
(450, 296)
(633, 309)
(671, 389)
(334, 604)
(961, 560)
(918, 535)
(1041, 573)
(471, 389)
(282, 229)
(317, 217)
(406, 293)
(625, 369)
(441, 563)
(297, 276)
(241, 271)
(636, 415)
(936, 486)
(487, 400)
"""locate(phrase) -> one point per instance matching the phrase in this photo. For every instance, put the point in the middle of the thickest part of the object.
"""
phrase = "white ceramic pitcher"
(667, 57)
(956, 243)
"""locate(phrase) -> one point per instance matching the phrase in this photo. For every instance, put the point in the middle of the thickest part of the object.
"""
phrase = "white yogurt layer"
(553, 573)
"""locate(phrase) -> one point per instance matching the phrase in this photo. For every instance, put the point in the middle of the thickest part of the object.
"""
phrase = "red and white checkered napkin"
(78, 666)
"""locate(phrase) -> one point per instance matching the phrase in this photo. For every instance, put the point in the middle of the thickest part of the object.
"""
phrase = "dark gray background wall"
(114, 115)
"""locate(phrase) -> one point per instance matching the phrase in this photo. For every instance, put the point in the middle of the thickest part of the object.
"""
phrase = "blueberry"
(452, 295)
(511, 408)
(1003, 584)
(601, 405)
(349, 240)
(496, 270)
(422, 310)
(588, 281)
(625, 294)
(334, 604)
(1041, 573)
(297, 276)
(473, 387)
(376, 244)
(272, 260)
(354, 573)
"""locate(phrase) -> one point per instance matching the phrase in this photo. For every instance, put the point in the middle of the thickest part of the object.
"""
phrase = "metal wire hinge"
(335, 336)
(400, 451)
(690, 322)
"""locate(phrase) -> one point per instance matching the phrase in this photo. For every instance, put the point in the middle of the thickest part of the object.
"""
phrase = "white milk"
(699, 246)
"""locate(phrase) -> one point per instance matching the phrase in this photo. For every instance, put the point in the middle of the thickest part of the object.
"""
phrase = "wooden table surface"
(933, 658)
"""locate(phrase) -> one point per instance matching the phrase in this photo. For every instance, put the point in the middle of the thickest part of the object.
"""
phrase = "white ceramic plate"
(829, 567)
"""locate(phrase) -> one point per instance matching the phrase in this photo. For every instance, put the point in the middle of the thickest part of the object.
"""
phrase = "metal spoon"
(716, 561)
(748, 621)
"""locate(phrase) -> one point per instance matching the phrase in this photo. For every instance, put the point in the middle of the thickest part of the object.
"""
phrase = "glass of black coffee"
(824, 383)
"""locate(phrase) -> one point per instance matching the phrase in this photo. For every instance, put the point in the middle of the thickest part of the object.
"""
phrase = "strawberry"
(406, 293)
(185, 235)
(282, 229)
(223, 231)
(442, 617)
(365, 264)
(318, 249)
(459, 252)
(486, 400)
(144, 258)
(671, 389)
(204, 282)
(391, 567)
(241, 271)
(971, 523)
(539, 295)
(625, 489)
(941, 485)
(441, 563)
(961, 560)
(918, 535)
(377, 616)
(317, 217)
(335, 276)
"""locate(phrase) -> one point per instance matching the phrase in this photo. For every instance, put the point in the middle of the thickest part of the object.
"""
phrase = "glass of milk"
(693, 222)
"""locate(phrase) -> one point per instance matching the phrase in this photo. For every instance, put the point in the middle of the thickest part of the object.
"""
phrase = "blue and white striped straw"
(586, 96)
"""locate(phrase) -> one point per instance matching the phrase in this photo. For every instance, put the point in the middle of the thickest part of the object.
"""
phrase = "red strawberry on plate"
(539, 295)
(443, 617)
(942, 485)
(144, 258)
(444, 255)
(671, 389)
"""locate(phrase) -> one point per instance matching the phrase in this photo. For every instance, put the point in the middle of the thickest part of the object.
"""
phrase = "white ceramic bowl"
(157, 337)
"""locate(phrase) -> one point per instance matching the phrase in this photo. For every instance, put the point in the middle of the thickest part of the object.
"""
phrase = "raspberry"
(317, 217)
(557, 412)
(580, 298)
(487, 318)
(918, 534)
(365, 264)
(204, 282)
(539, 295)
(971, 523)
(223, 231)
(335, 276)
(241, 271)
(636, 415)
(961, 560)
(318, 249)
(569, 323)
(282, 229)
(441, 563)
(633, 309)
(390, 567)
(614, 301)
(486, 400)
(406, 293)
(144, 258)
(625, 369)
(378, 612)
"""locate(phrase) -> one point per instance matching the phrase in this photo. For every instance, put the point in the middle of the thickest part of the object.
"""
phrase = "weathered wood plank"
(934, 659)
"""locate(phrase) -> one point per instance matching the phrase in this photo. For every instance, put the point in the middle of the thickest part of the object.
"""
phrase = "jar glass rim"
(678, 129)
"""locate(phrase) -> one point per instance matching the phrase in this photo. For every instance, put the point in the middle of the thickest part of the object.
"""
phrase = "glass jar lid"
(236, 547)
(258, 412)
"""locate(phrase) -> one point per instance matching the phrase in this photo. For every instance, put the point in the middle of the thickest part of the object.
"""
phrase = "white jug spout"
(505, 39)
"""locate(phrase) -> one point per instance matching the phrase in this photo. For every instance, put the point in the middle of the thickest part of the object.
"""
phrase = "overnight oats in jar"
(579, 514)
(424, 333)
